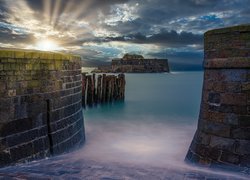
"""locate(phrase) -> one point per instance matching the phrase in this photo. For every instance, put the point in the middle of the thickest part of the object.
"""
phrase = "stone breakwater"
(102, 89)
(222, 139)
(40, 105)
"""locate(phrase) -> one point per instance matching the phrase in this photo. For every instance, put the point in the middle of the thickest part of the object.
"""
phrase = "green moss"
(33, 84)
(33, 54)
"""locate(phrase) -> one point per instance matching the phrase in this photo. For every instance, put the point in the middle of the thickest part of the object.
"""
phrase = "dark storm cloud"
(181, 60)
(3, 11)
(171, 14)
(162, 38)
(159, 11)
(9, 36)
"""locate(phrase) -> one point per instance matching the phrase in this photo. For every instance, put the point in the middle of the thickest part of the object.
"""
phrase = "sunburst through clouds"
(57, 26)
(105, 29)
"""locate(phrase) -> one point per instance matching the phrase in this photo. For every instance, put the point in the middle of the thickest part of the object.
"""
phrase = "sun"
(47, 45)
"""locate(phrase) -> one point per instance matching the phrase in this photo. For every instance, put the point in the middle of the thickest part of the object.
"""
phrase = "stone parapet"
(40, 105)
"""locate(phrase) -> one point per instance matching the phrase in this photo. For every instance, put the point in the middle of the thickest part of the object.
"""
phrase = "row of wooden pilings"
(102, 88)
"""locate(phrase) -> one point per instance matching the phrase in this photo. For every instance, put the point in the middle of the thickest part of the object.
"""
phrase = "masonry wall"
(40, 105)
(223, 136)
(140, 65)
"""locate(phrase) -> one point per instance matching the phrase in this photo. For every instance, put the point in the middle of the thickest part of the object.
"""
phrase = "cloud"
(149, 26)
(166, 38)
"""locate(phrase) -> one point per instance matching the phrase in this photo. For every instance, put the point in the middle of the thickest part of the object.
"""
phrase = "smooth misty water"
(154, 125)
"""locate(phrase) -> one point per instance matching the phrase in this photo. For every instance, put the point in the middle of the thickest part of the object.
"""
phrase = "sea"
(145, 137)
(155, 124)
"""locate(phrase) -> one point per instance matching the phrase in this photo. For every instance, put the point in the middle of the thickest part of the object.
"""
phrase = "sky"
(100, 30)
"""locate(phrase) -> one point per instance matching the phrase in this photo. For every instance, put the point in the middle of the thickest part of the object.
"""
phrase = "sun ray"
(56, 11)
(47, 10)
(74, 13)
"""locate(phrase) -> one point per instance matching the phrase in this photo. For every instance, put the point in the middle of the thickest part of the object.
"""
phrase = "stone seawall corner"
(222, 139)
(40, 105)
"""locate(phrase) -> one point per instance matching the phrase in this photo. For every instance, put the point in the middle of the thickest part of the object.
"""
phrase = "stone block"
(1, 67)
(231, 119)
(245, 86)
(234, 99)
(214, 116)
(20, 152)
(214, 98)
(15, 126)
(243, 147)
(234, 75)
(231, 158)
(214, 154)
(5, 158)
(221, 143)
(12, 92)
(241, 133)
(244, 121)
(225, 108)
(39, 145)
(245, 161)
(217, 129)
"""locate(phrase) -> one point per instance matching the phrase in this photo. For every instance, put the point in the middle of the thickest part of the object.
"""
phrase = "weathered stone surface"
(40, 95)
(223, 133)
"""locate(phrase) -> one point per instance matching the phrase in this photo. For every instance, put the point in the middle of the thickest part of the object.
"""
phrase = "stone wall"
(139, 65)
(40, 105)
(222, 139)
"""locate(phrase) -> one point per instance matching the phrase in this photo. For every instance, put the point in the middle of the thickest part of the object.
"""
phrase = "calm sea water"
(166, 97)
(154, 125)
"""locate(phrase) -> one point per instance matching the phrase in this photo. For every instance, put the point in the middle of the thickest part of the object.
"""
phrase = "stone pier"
(40, 105)
(222, 139)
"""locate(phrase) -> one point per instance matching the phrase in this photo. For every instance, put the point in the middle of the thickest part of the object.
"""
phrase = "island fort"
(133, 63)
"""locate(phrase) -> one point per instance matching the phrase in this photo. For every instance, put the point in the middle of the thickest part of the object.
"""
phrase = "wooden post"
(94, 90)
(84, 90)
(90, 91)
(122, 86)
(104, 83)
(99, 89)
(106, 88)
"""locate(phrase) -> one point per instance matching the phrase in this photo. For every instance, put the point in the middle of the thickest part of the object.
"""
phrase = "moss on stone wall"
(32, 54)
(40, 104)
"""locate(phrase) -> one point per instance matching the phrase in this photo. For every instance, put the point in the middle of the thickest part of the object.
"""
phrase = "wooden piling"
(84, 90)
(90, 91)
(102, 89)
(99, 89)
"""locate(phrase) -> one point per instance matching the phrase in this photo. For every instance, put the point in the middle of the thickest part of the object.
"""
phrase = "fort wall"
(40, 105)
(222, 138)
(140, 65)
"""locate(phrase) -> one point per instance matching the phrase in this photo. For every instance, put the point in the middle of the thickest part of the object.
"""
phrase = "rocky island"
(133, 63)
